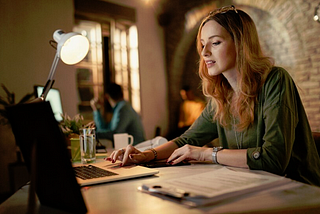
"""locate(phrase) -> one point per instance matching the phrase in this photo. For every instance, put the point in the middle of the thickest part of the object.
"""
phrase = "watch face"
(215, 149)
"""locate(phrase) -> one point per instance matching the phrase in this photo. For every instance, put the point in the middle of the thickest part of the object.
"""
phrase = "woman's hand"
(129, 155)
(188, 152)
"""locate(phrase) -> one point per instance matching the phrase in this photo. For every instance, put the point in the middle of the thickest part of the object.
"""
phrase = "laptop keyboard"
(89, 172)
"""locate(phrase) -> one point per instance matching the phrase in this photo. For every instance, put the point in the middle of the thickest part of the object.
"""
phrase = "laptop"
(36, 129)
(54, 97)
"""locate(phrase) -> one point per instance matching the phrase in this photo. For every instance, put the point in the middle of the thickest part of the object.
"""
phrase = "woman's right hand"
(129, 155)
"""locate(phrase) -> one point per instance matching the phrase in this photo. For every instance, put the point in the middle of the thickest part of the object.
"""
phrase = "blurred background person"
(124, 118)
(190, 108)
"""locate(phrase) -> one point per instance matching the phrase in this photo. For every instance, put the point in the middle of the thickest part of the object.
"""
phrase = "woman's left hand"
(188, 152)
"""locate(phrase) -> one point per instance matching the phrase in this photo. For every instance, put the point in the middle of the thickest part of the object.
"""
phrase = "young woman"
(255, 109)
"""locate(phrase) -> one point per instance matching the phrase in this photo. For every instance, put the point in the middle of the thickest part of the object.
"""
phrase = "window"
(113, 57)
(126, 63)
(89, 72)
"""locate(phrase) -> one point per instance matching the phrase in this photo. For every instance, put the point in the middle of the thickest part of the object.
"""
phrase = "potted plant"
(70, 127)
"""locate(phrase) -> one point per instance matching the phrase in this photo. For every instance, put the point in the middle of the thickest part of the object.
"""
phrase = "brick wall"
(287, 33)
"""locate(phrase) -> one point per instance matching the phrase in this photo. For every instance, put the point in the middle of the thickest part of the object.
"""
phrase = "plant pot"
(73, 142)
(75, 149)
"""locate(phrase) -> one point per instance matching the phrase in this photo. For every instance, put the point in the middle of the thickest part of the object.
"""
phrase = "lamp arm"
(46, 89)
(50, 80)
(54, 66)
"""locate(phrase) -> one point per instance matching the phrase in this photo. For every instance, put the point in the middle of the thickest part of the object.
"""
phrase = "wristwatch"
(214, 153)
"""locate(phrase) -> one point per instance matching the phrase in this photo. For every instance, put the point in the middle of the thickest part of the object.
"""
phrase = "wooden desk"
(123, 197)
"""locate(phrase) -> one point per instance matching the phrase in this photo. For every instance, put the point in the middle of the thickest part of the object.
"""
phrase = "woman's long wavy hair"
(251, 64)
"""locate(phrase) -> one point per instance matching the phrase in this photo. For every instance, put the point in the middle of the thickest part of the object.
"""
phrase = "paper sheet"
(218, 182)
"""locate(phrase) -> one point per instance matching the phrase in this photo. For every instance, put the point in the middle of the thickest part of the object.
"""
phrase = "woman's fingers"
(125, 155)
(178, 155)
(116, 155)
(187, 153)
(128, 151)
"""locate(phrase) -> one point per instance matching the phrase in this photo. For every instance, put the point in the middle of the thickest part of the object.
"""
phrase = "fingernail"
(121, 164)
(109, 159)
(113, 161)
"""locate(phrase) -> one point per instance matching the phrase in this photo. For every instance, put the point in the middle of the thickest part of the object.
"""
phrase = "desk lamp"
(71, 49)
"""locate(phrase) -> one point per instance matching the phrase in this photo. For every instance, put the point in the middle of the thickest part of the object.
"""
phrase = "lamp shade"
(71, 47)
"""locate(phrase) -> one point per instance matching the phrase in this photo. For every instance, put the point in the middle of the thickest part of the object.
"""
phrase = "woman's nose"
(205, 51)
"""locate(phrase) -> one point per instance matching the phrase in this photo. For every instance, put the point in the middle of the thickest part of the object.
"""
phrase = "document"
(213, 186)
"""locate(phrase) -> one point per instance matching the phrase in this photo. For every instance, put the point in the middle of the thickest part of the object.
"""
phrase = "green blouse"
(280, 140)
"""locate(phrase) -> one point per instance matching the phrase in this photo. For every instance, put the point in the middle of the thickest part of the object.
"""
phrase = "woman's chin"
(213, 73)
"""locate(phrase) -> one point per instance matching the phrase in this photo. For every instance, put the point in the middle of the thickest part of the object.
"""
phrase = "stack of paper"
(213, 186)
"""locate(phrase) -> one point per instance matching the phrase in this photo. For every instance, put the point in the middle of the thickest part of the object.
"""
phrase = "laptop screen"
(44, 151)
(54, 98)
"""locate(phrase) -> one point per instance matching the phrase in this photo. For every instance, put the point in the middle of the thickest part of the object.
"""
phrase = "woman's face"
(218, 51)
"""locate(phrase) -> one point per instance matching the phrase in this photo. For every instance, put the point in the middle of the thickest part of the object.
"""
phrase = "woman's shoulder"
(278, 76)
(278, 73)
(278, 83)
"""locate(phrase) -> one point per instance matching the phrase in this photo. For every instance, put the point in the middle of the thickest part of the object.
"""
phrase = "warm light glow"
(134, 68)
(133, 33)
(74, 49)
(71, 47)
(124, 54)
(93, 62)
(147, 2)
(134, 59)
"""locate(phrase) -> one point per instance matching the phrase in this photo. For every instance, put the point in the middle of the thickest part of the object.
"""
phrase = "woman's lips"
(210, 63)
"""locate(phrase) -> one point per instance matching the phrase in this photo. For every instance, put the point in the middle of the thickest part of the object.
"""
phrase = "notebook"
(34, 127)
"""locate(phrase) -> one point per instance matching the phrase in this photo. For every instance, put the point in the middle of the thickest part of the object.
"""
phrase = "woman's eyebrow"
(211, 37)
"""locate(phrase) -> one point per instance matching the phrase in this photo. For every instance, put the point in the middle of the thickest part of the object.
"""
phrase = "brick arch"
(299, 52)
(287, 33)
(276, 25)
(178, 73)
(275, 39)
(178, 76)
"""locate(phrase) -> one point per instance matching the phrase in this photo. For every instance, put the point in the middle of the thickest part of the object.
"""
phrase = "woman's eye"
(216, 43)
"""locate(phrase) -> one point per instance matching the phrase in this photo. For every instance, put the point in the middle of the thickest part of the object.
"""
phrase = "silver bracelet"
(214, 154)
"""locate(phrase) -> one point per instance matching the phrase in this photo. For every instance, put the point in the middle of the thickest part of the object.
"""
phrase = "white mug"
(122, 140)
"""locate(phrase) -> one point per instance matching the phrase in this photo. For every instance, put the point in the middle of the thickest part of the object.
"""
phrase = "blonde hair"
(251, 64)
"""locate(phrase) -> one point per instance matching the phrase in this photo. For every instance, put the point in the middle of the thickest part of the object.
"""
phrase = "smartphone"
(162, 163)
